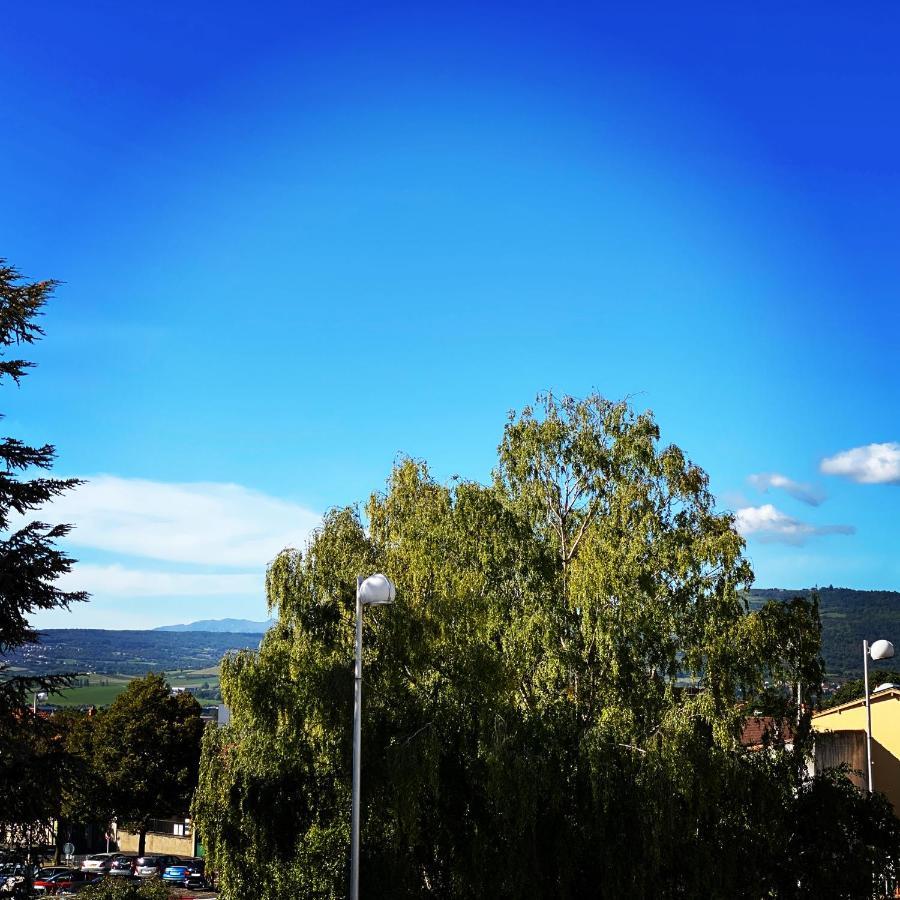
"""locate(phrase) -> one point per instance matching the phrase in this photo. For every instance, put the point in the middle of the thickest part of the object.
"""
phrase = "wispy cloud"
(770, 525)
(204, 523)
(210, 543)
(805, 493)
(871, 464)
(118, 581)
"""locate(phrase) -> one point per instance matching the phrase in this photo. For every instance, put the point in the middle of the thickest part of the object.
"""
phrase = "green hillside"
(848, 617)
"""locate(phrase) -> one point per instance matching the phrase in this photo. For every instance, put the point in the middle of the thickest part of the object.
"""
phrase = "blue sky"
(299, 239)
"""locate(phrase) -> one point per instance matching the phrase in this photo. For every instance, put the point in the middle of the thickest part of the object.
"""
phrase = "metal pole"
(357, 740)
(868, 713)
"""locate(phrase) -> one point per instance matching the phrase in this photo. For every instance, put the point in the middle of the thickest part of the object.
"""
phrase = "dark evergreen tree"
(30, 565)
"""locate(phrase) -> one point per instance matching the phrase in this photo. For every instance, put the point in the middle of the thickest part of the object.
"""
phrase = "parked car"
(146, 866)
(57, 880)
(49, 871)
(187, 873)
(13, 874)
(99, 863)
(122, 865)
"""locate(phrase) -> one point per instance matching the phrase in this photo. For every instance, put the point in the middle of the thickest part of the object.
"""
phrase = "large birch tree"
(551, 707)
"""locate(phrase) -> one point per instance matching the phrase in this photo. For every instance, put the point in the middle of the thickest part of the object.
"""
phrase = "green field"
(209, 670)
(101, 690)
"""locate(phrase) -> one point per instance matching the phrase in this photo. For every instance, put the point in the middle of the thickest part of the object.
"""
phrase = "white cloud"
(211, 543)
(872, 464)
(204, 523)
(770, 525)
(805, 493)
(119, 581)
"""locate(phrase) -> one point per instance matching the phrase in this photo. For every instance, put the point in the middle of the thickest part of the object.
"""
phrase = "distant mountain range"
(221, 626)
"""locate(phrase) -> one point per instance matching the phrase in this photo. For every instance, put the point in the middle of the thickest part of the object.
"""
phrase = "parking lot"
(184, 877)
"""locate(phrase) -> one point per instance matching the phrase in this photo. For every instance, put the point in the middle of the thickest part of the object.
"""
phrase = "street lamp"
(376, 590)
(878, 650)
(39, 695)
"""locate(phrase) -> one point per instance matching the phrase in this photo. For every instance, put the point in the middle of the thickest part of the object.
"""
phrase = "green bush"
(115, 889)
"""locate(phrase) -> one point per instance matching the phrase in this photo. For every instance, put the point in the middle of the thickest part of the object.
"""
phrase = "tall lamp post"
(878, 650)
(376, 590)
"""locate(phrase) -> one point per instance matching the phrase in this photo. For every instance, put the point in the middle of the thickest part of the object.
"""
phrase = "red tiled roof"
(759, 731)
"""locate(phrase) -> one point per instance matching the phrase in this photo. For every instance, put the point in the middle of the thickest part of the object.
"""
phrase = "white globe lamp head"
(881, 650)
(377, 590)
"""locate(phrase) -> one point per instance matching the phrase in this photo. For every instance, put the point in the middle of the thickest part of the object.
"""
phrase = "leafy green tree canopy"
(549, 706)
(147, 751)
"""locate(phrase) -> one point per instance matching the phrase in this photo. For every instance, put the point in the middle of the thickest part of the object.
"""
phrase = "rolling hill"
(848, 616)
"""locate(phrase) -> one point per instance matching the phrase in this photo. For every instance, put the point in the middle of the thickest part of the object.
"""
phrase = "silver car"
(98, 863)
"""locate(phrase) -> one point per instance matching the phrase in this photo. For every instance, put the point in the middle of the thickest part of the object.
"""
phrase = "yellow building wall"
(169, 844)
(885, 738)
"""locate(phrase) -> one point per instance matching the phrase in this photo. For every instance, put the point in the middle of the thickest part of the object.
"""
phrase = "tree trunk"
(58, 843)
(142, 840)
